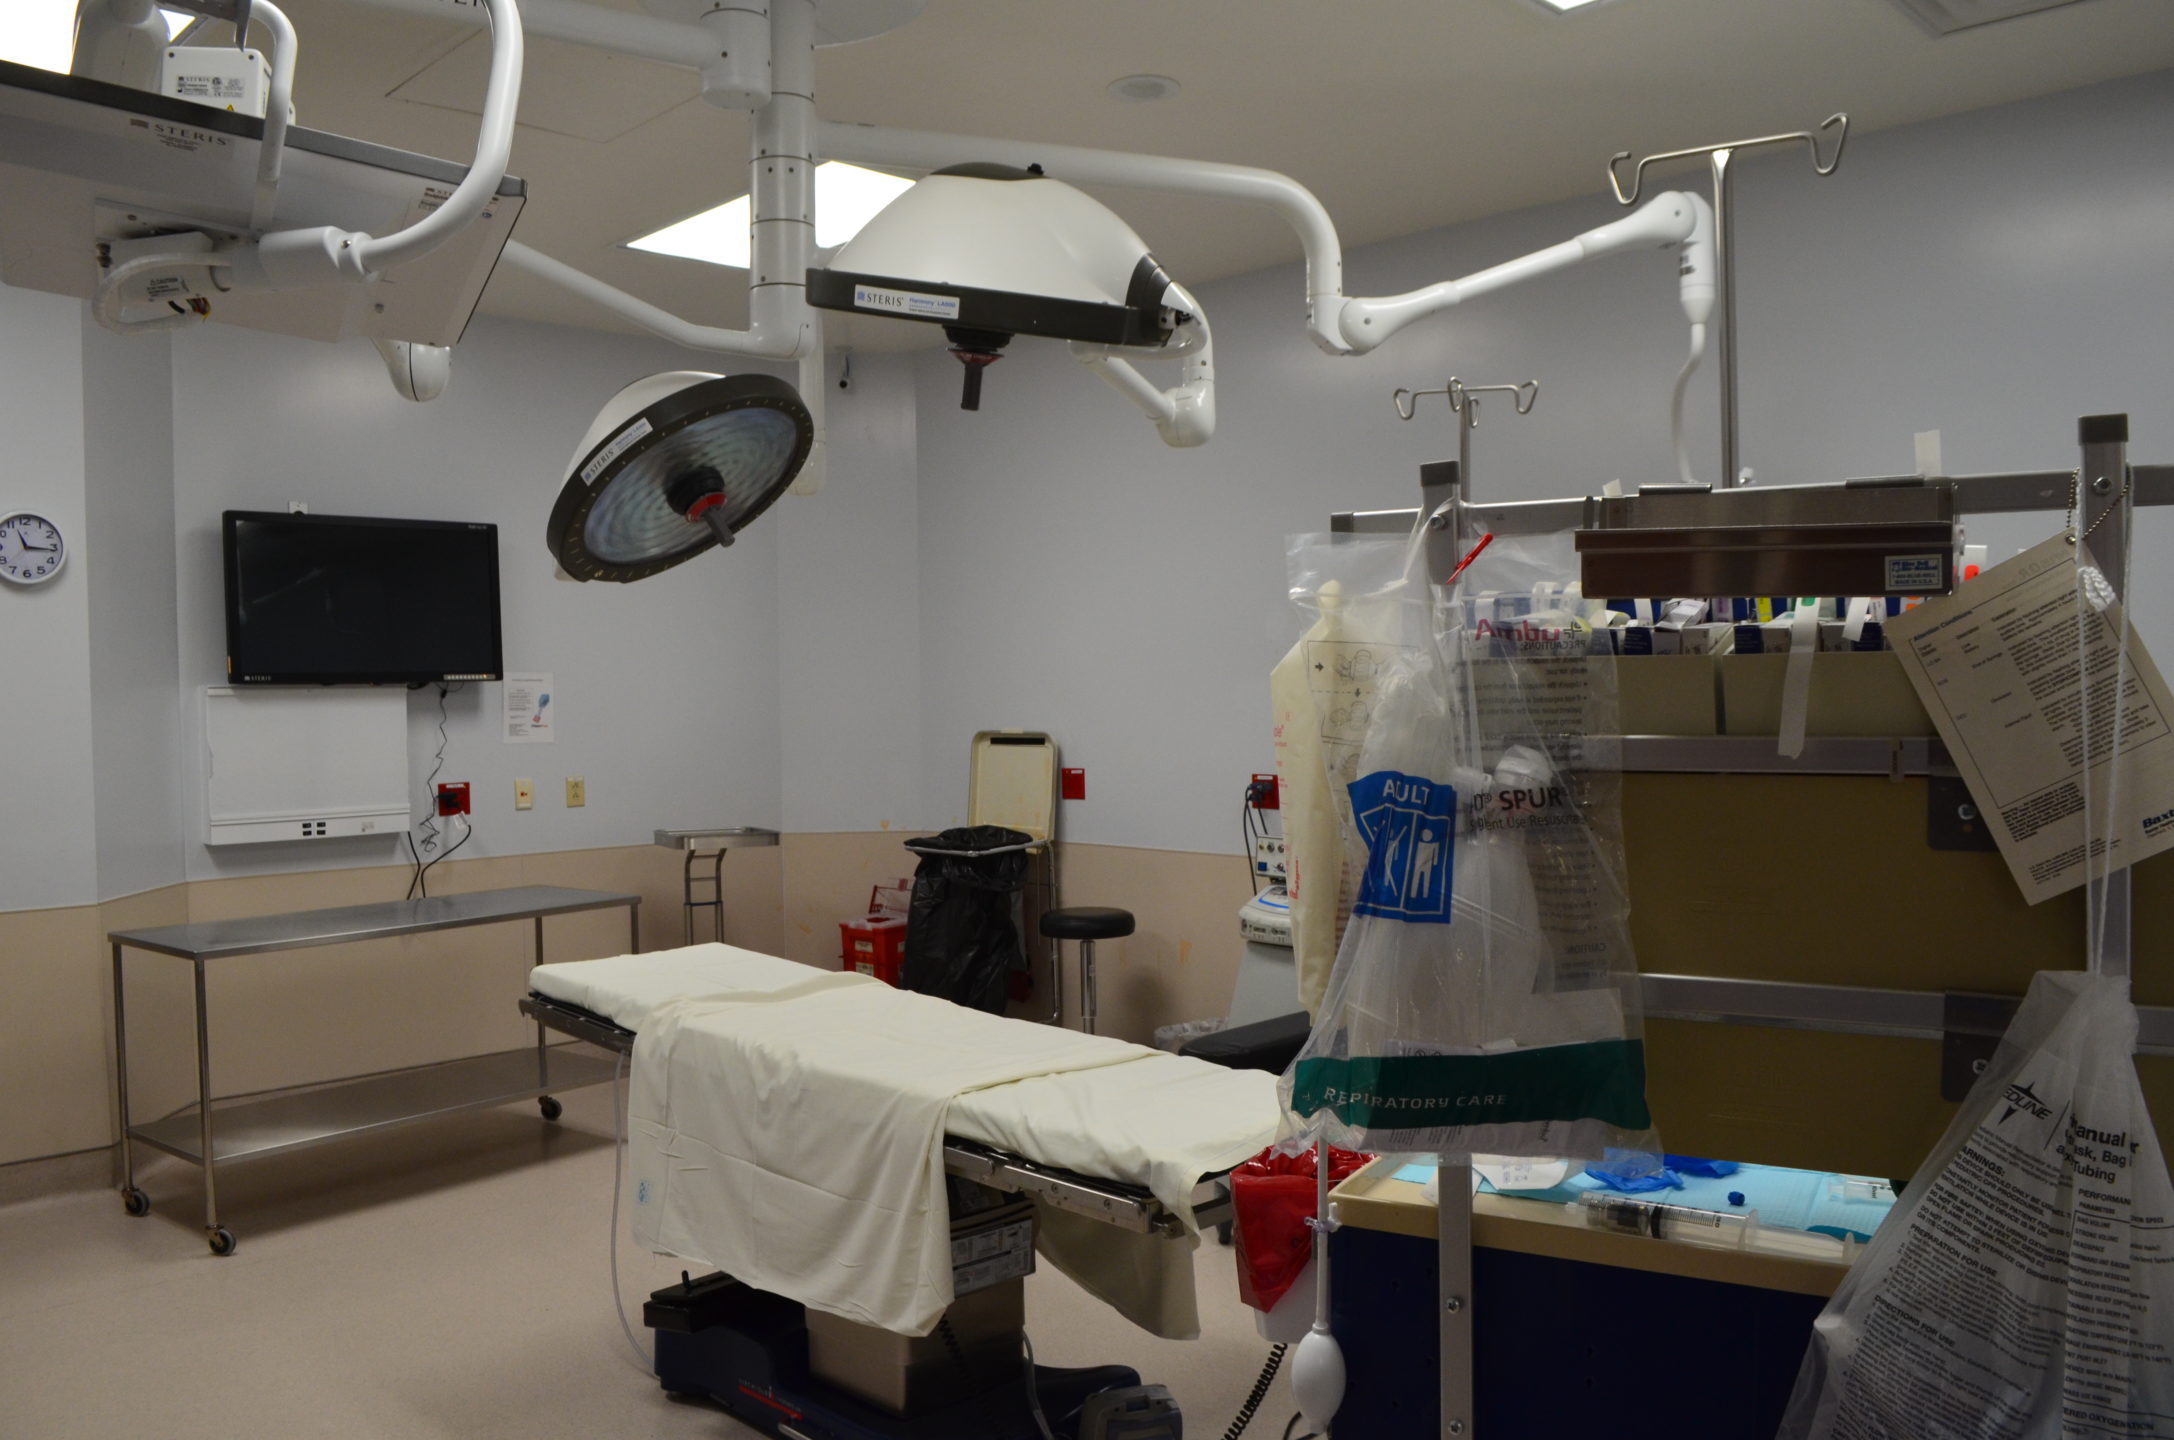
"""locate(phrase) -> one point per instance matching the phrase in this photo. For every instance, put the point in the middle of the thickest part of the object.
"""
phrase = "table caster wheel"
(223, 1241)
(550, 1106)
(135, 1201)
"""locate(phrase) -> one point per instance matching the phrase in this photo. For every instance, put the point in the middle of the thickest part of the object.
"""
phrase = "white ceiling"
(1402, 115)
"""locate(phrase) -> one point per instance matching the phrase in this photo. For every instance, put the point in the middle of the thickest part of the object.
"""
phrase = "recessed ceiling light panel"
(1565, 7)
(41, 33)
(846, 198)
(1945, 17)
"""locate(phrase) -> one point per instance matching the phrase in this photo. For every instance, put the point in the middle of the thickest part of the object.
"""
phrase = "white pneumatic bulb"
(1317, 1369)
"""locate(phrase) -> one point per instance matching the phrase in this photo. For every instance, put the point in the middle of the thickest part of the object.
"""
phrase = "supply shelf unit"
(1966, 1023)
(210, 1133)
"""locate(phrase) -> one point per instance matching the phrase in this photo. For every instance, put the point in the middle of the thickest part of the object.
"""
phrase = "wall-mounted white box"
(295, 763)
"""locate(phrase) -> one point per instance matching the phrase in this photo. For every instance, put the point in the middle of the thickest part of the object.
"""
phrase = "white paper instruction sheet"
(1995, 665)
(529, 710)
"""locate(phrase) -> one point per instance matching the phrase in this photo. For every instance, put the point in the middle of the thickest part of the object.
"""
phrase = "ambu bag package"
(2023, 1286)
(1484, 995)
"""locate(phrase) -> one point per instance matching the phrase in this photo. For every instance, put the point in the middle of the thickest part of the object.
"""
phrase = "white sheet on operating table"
(625, 989)
(795, 1139)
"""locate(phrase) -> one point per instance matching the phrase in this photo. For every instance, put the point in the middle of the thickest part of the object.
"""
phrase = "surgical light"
(675, 464)
(847, 197)
(993, 251)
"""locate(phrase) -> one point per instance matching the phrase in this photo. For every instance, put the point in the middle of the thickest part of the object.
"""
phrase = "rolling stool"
(1086, 924)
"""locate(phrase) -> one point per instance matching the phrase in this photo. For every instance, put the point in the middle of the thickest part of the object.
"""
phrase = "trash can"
(1174, 1038)
(963, 932)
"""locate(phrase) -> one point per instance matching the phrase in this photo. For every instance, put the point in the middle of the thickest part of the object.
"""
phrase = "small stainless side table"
(253, 1127)
(711, 845)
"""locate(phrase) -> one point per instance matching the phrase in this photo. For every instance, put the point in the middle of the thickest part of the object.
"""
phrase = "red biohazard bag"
(1273, 1197)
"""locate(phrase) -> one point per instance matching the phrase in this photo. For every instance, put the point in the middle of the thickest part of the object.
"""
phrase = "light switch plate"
(524, 794)
(577, 792)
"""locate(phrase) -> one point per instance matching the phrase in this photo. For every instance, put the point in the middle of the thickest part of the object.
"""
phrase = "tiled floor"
(450, 1279)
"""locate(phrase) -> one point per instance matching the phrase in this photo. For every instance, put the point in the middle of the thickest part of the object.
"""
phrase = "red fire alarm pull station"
(1264, 793)
(1075, 783)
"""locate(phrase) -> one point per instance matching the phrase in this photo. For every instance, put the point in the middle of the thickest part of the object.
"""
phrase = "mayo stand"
(711, 845)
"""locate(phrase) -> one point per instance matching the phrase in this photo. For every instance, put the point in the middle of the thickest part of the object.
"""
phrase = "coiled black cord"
(1261, 1386)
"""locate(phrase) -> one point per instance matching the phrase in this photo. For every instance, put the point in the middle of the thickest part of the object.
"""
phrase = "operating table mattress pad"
(1157, 1121)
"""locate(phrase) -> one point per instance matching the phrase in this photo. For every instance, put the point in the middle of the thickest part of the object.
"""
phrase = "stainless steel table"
(711, 845)
(257, 1127)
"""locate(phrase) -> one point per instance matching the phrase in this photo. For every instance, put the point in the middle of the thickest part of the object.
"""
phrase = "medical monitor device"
(91, 170)
(346, 600)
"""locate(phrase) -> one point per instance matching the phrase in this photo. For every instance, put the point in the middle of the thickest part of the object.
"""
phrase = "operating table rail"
(1129, 1207)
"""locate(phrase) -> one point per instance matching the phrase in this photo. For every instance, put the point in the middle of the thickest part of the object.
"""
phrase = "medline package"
(1323, 696)
(2023, 1287)
(1484, 997)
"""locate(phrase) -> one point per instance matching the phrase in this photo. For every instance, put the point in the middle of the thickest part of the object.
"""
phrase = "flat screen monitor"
(346, 600)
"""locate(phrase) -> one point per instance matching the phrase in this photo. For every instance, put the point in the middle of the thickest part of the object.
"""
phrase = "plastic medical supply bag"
(1272, 1197)
(1484, 997)
(2023, 1287)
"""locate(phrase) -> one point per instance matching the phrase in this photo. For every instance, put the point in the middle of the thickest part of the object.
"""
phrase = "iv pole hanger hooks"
(1462, 399)
(1722, 157)
(1837, 122)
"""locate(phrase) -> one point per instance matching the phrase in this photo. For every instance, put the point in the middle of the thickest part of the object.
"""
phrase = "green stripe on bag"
(1600, 1080)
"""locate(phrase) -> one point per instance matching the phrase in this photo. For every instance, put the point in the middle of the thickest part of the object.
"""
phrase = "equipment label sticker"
(906, 302)
(620, 444)
(1914, 574)
(1410, 830)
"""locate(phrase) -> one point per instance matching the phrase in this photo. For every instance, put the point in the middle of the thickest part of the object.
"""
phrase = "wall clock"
(31, 548)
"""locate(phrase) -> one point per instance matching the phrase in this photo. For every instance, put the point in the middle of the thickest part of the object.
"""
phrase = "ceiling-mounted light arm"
(1339, 324)
(659, 322)
(1185, 414)
(325, 254)
(278, 111)
(1666, 221)
(929, 150)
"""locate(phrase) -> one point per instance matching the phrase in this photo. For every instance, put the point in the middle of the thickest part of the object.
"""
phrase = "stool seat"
(1086, 922)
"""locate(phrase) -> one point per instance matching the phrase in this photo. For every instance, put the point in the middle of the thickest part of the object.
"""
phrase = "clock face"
(30, 549)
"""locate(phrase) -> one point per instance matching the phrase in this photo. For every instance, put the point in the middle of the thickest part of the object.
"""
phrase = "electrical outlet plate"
(1268, 857)
(577, 792)
(524, 794)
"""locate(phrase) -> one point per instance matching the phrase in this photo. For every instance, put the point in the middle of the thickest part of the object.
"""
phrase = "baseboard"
(57, 1174)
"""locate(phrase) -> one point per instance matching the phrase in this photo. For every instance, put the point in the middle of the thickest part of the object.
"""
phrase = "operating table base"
(747, 1350)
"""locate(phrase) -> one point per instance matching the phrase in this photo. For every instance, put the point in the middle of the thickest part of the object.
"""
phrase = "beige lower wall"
(303, 1016)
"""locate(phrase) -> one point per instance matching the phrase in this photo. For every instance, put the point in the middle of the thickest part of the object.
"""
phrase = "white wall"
(1994, 276)
(128, 542)
(48, 844)
(664, 689)
(848, 617)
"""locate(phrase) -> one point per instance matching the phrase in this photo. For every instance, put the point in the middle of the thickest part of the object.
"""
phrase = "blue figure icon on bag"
(1409, 825)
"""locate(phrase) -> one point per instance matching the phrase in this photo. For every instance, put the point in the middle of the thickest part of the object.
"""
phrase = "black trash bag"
(962, 934)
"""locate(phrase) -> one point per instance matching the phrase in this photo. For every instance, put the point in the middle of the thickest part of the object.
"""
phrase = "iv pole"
(1723, 157)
